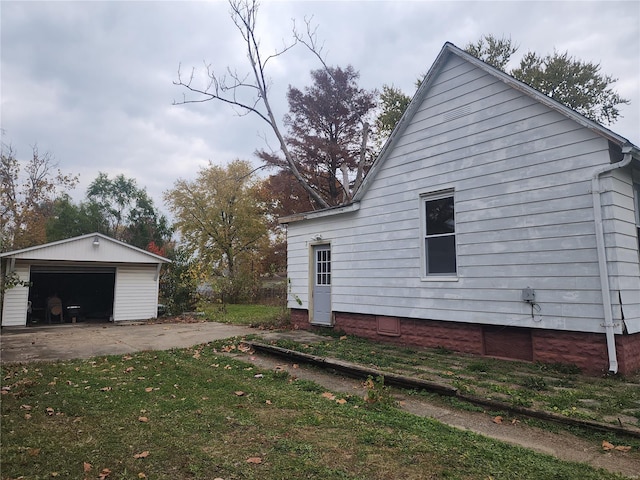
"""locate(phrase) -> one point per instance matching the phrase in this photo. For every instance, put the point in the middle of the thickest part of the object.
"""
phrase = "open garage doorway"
(87, 294)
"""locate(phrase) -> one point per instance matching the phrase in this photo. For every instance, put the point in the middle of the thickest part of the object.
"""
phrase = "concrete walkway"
(64, 342)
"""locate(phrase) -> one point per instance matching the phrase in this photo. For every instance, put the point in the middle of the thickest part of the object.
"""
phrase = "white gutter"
(602, 257)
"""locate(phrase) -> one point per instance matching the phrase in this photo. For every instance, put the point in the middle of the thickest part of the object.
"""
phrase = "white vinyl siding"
(136, 293)
(523, 211)
(636, 192)
(621, 239)
(14, 308)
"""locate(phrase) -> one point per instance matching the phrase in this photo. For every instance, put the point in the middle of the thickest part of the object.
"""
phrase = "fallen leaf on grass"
(50, 411)
(148, 389)
(144, 454)
(239, 393)
(27, 416)
(143, 419)
(105, 389)
(129, 370)
(328, 395)
(497, 419)
(341, 401)
(268, 402)
(104, 473)
(34, 452)
(142, 475)
(26, 407)
(344, 337)
(610, 446)
(86, 467)
(254, 460)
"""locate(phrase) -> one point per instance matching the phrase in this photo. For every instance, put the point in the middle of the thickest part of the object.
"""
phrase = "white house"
(495, 221)
(107, 279)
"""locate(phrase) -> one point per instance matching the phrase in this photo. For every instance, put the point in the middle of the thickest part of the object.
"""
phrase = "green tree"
(393, 103)
(70, 220)
(495, 51)
(222, 223)
(128, 212)
(575, 83)
(27, 195)
(177, 282)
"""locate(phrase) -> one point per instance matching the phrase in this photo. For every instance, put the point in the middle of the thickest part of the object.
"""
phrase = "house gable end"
(87, 248)
(450, 59)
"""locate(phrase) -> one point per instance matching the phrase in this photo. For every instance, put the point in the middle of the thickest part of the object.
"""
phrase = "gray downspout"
(602, 258)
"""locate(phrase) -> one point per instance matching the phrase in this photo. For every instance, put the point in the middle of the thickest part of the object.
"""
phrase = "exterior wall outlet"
(528, 295)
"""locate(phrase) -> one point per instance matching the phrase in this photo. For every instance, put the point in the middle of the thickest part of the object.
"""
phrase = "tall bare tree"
(249, 92)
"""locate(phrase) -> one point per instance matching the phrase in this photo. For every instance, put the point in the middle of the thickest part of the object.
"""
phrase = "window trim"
(424, 198)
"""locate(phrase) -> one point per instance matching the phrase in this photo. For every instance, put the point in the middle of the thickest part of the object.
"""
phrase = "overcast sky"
(92, 82)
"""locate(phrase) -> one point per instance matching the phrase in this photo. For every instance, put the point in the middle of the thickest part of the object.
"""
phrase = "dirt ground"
(561, 445)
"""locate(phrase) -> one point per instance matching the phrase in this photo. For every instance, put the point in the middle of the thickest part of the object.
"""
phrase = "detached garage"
(95, 277)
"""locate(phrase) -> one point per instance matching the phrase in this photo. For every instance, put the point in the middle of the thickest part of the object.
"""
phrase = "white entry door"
(322, 285)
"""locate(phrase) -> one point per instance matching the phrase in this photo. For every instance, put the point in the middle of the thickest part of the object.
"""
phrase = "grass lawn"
(195, 413)
(555, 388)
(266, 316)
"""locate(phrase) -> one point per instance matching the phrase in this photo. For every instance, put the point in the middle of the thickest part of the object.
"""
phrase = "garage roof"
(92, 247)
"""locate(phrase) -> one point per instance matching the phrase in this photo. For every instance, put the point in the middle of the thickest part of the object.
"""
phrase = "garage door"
(91, 289)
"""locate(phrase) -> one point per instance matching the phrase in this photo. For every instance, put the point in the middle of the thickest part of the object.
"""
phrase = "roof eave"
(13, 253)
(327, 212)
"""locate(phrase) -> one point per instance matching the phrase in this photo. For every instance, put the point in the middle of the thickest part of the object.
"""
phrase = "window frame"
(322, 267)
(424, 236)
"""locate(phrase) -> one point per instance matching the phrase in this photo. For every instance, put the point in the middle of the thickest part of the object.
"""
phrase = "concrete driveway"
(64, 342)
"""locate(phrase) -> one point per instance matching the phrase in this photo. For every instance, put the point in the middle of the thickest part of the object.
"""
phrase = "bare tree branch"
(244, 15)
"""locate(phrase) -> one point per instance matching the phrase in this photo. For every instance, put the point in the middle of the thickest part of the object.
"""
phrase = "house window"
(323, 267)
(439, 233)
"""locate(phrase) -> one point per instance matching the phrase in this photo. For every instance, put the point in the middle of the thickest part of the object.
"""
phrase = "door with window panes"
(321, 285)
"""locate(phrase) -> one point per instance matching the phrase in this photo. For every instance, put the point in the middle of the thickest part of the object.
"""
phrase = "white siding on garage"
(521, 175)
(136, 293)
(14, 308)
